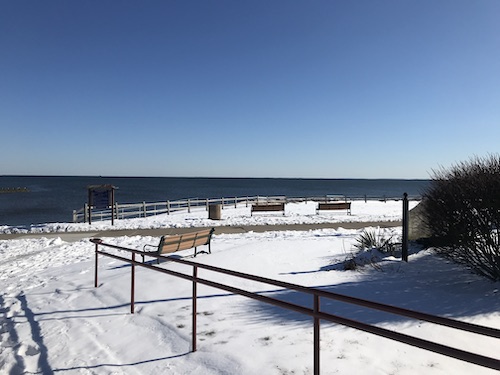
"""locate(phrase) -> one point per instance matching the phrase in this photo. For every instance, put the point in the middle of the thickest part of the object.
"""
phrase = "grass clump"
(370, 239)
(371, 248)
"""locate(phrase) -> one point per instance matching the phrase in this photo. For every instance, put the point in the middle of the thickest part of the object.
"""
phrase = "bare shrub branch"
(463, 213)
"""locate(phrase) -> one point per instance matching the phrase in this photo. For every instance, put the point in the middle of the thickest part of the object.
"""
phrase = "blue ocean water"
(53, 199)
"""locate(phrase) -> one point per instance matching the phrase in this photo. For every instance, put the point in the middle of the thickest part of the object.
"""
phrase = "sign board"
(101, 197)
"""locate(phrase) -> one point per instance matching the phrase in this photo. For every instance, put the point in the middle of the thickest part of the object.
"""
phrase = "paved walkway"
(77, 236)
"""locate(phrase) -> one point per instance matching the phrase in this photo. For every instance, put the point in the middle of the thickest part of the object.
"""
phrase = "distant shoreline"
(14, 190)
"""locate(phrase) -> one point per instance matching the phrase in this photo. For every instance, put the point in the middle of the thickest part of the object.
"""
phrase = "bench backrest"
(269, 207)
(334, 206)
(170, 244)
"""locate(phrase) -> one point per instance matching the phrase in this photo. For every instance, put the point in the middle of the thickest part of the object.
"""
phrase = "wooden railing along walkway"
(144, 209)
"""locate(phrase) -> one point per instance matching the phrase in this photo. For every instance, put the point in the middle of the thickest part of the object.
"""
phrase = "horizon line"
(218, 177)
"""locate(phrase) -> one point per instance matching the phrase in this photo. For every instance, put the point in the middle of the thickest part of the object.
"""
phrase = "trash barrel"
(214, 211)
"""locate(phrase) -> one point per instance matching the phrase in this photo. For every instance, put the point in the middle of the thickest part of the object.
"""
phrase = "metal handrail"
(314, 312)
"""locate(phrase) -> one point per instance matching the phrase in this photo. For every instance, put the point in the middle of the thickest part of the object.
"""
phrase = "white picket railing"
(144, 209)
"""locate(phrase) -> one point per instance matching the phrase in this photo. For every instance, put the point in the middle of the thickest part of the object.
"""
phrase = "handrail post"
(96, 264)
(195, 275)
(316, 335)
(132, 285)
(404, 250)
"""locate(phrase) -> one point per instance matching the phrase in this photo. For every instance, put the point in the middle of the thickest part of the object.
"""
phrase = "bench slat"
(268, 207)
(184, 241)
(171, 244)
(335, 206)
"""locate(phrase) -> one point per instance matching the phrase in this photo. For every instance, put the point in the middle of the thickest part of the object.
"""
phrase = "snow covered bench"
(267, 207)
(334, 206)
(173, 243)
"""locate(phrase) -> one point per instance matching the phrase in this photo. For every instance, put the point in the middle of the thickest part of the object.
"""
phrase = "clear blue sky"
(326, 89)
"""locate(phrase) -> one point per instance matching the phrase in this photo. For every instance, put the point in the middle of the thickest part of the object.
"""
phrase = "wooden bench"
(268, 207)
(173, 243)
(334, 206)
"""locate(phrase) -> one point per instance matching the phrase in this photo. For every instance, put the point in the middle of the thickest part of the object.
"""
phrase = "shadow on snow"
(428, 284)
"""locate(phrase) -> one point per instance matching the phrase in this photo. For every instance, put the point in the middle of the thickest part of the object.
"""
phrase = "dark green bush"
(463, 214)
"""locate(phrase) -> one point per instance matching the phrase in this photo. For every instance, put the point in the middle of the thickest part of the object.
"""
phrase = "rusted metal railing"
(314, 312)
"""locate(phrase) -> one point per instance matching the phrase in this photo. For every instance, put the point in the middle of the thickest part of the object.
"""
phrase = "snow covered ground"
(53, 320)
(296, 213)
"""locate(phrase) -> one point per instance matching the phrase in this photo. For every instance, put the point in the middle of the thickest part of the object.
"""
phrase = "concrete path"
(77, 236)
